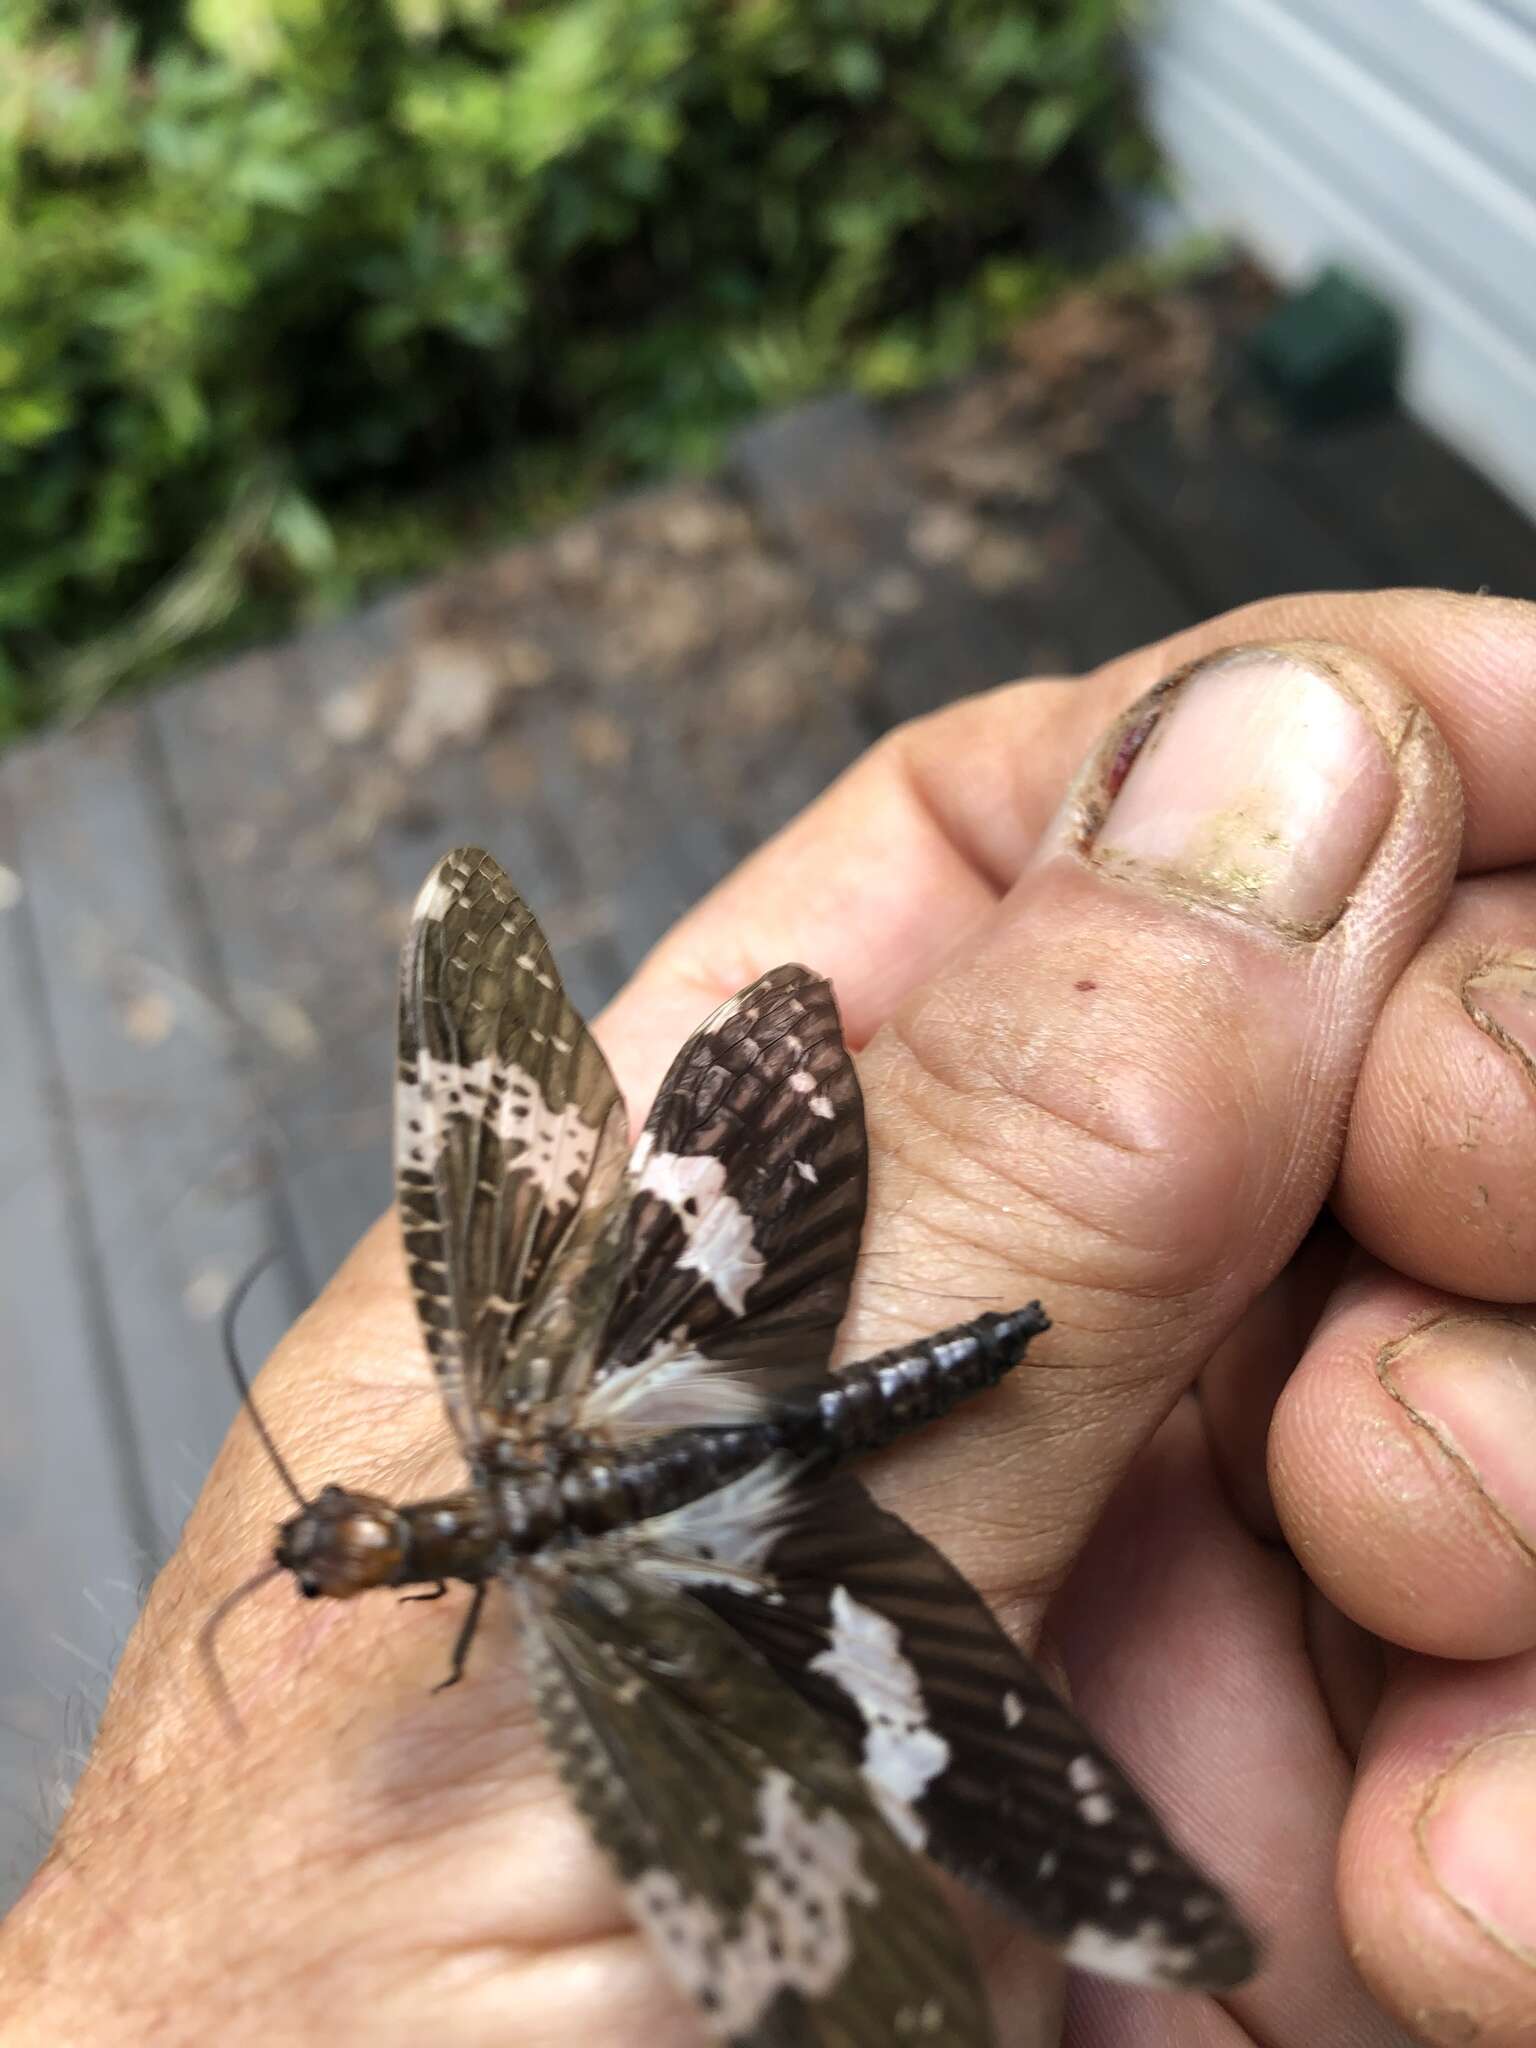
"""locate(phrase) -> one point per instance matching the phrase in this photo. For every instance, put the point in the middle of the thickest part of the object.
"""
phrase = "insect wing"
(973, 1755)
(745, 1202)
(747, 1843)
(510, 1130)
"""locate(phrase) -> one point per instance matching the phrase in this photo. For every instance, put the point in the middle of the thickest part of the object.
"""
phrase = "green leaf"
(1048, 127)
(385, 251)
(856, 69)
(303, 533)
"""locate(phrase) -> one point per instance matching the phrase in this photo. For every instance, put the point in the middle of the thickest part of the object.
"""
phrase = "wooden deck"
(201, 894)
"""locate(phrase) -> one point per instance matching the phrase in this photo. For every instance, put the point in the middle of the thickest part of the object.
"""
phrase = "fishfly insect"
(765, 1694)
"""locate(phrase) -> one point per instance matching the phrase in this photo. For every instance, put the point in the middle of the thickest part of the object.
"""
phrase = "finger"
(1467, 661)
(1350, 1666)
(1435, 1866)
(1436, 1177)
(1183, 1637)
(1248, 1371)
(1401, 1467)
(1104, 2016)
(1126, 1095)
(905, 855)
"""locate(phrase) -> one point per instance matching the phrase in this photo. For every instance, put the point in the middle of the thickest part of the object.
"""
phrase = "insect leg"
(465, 1637)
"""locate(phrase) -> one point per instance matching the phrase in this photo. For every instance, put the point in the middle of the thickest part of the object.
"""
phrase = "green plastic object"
(1330, 352)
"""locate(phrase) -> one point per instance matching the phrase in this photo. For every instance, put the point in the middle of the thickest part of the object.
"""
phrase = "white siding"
(1397, 137)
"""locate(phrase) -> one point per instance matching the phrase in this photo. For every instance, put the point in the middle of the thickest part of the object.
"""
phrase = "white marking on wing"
(551, 1138)
(925, 2019)
(1086, 1777)
(530, 965)
(726, 1536)
(436, 896)
(1147, 1957)
(793, 1933)
(557, 1145)
(718, 1246)
(902, 1753)
(420, 1141)
(672, 1387)
(439, 1089)
(1013, 1710)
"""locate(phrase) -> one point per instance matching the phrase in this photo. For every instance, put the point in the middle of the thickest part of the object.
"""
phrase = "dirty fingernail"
(1262, 786)
(1476, 1831)
(1502, 998)
(1472, 1383)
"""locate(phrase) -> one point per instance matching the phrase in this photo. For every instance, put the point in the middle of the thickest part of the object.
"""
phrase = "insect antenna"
(207, 1648)
(237, 1372)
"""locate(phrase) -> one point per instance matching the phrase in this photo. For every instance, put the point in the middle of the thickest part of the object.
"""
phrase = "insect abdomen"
(859, 1409)
(541, 1504)
(880, 1398)
(681, 1467)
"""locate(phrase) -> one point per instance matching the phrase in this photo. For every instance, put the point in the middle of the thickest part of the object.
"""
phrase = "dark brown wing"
(974, 1756)
(510, 1131)
(732, 1251)
(747, 1843)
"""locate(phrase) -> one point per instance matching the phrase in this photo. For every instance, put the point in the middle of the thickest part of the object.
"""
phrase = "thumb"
(1126, 1091)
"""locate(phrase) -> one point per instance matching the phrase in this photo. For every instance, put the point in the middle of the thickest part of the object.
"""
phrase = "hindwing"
(974, 1757)
(748, 1845)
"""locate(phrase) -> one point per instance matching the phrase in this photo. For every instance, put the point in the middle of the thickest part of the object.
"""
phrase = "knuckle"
(1127, 1181)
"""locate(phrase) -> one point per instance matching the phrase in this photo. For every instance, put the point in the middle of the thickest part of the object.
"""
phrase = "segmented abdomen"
(877, 1400)
(859, 1409)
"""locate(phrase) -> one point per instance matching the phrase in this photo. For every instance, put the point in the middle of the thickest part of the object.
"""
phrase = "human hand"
(1120, 1068)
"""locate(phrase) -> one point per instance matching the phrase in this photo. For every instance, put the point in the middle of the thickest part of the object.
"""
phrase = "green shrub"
(277, 274)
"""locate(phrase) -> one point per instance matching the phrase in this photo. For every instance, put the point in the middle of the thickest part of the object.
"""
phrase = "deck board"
(70, 1583)
(177, 1195)
(147, 1192)
(1214, 511)
(299, 942)
(196, 972)
(1415, 511)
(947, 601)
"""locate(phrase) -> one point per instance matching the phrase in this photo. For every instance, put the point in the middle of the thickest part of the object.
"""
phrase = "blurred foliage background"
(299, 295)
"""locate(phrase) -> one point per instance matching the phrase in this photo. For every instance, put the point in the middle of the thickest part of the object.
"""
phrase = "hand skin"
(1116, 1053)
